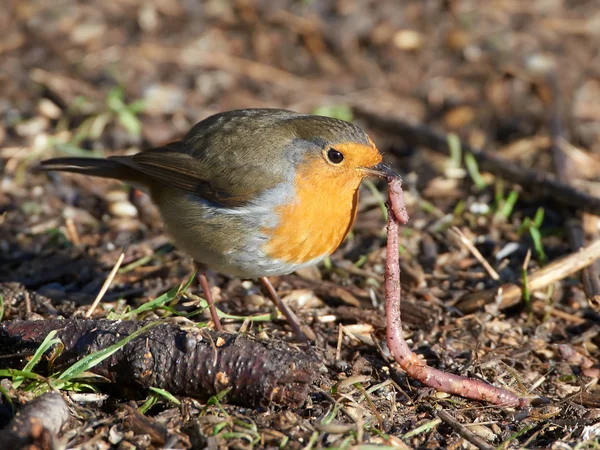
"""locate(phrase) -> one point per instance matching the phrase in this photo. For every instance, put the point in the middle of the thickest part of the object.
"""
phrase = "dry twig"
(463, 431)
(553, 272)
(460, 236)
(564, 173)
(106, 284)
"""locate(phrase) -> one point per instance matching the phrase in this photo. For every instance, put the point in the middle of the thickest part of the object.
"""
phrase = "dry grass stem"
(466, 242)
(106, 284)
(553, 272)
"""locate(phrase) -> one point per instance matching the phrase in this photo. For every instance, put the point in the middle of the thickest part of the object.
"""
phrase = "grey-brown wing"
(181, 171)
(228, 159)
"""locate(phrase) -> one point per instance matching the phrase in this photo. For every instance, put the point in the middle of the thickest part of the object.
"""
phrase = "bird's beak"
(381, 170)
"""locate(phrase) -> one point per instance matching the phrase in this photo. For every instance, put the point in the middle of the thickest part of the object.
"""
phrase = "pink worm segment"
(414, 366)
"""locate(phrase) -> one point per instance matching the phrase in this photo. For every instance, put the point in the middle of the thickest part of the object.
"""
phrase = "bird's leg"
(209, 298)
(289, 315)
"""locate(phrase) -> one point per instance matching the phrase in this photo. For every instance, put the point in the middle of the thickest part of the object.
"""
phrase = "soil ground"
(106, 78)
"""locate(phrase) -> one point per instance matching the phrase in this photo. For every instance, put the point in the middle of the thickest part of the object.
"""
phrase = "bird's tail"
(96, 167)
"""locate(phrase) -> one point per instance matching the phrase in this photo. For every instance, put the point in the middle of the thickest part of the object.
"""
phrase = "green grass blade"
(514, 436)
(455, 150)
(526, 225)
(160, 301)
(96, 358)
(536, 236)
(459, 209)
(97, 126)
(148, 404)
(258, 318)
(71, 149)
(284, 442)
(185, 287)
(13, 373)
(362, 260)
(166, 394)
(137, 106)
(152, 305)
(473, 170)
(130, 122)
(4, 393)
(498, 193)
(509, 203)
(48, 342)
(343, 112)
(216, 399)
(76, 386)
(526, 291)
(137, 263)
(114, 99)
(538, 219)
(428, 426)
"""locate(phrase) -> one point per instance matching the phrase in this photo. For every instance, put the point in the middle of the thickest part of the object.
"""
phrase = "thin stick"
(476, 253)
(414, 366)
(553, 272)
(106, 284)
(541, 307)
(464, 431)
(72, 231)
(531, 180)
(338, 349)
(563, 167)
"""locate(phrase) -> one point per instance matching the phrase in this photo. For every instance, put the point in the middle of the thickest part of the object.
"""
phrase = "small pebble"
(408, 40)
(540, 63)
(122, 209)
(255, 300)
(479, 208)
(33, 126)
(507, 250)
(49, 109)
(247, 284)
(87, 32)
(163, 99)
(303, 298)
(148, 17)
(37, 191)
(591, 432)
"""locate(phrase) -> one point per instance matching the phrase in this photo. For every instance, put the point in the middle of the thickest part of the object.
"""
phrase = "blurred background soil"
(99, 78)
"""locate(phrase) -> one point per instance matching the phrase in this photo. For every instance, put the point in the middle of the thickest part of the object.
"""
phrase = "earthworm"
(414, 366)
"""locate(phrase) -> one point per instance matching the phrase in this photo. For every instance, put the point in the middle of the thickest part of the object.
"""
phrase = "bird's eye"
(334, 156)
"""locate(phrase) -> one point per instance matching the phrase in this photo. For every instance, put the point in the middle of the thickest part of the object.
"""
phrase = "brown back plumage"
(228, 159)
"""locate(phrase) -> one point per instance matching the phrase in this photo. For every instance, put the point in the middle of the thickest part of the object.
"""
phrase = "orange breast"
(318, 221)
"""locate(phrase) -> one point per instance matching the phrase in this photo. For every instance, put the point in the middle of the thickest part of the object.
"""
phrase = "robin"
(251, 193)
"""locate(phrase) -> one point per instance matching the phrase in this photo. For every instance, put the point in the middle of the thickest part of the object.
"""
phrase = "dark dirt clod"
(190, 362)
(37, 425)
